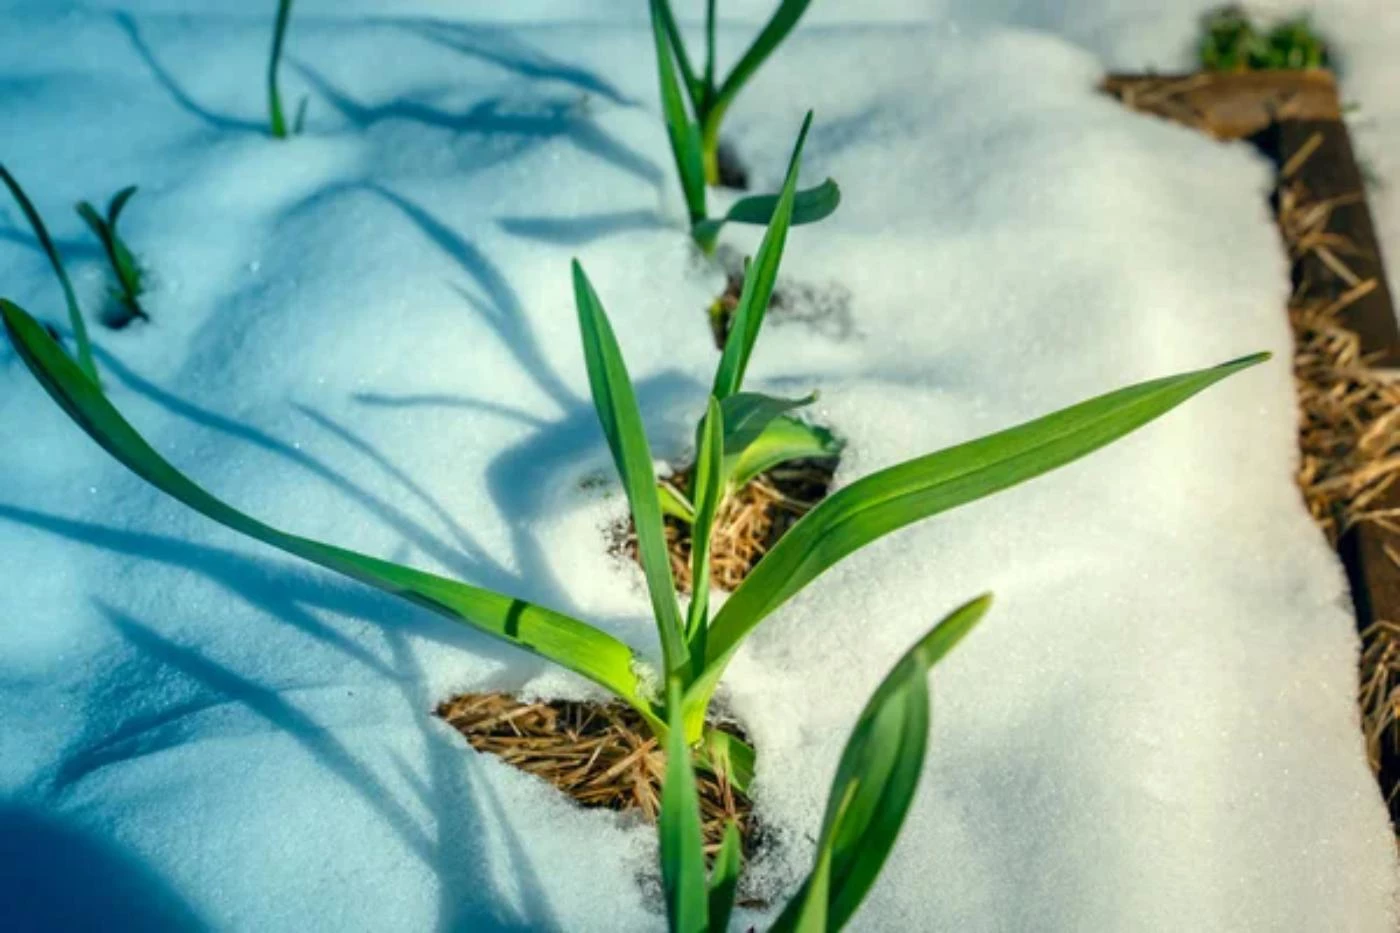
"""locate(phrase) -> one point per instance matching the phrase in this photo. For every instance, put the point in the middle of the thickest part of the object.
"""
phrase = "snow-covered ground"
(366, 335)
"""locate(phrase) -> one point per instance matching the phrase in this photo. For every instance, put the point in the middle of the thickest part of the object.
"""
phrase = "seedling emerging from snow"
(277, 122)
(75, 314)
(124, 265)
(874, 785)
(695, 647)
(709, 97)
(808, 206)
(1232, 43)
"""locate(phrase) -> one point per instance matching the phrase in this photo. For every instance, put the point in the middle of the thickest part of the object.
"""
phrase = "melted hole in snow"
(600, 754)
(732, 171)
(825, 309)
(748, 524)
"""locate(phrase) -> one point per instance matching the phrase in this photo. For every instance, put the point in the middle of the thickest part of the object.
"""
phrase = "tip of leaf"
(1252, 359)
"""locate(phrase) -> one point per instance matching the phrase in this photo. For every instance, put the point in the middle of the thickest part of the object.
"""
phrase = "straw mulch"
(600, 754)
(1349, 429)
(749, 522)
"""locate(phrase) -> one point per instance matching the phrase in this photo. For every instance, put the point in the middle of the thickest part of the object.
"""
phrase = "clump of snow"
(366, 335)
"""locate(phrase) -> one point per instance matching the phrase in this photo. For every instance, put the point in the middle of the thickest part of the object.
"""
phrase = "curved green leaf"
(809, 206)
(748, 414)
(622, 425)
(759, 279)
(118, 204)
(783, 440)
(75, 316)
(682, 840)
(899, 495)
(552, 635)
(781, 23)
(876, 780)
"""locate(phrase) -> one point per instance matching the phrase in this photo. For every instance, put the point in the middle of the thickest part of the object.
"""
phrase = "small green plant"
(75, 314)
(710, 98)
(128, 271)
(277, 122)
(1232, 43)
(870, 795)
(688, 147)
(696, 646)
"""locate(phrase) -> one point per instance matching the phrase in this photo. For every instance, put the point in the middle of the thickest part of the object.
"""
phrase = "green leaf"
(724, 878)
(708, 486)
(809, 206)
(759, 278)
(682, 841)
(674, 503)
(748, 414)
(875, 781)
(117, 204)
(277, 122)
(621, 421)
(549, 634)
(75, 315)
(784, 440)
(682, 131)
(695, 87)
(724, 752)
(773, 33)
(123, 264)
(900, 495)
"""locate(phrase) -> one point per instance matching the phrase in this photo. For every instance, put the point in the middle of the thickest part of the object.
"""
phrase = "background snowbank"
(366, 335)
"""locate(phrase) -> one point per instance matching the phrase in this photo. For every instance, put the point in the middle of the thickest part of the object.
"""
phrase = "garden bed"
(368, 335)
(1346, 350)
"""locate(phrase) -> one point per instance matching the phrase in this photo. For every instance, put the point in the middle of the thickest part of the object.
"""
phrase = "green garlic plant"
(277, 121)
(130, 277)
(876, 778)
(75, 314)
(687, 135)
(709, 96)
(696, 646)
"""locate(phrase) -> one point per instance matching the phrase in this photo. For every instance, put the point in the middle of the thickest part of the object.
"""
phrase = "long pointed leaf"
(876, 779)
(118, 204)
(897, 496)
(680, 128)
(724, 879)
(552, 635)
(773, 33)
(695, 87)
(621, 420)
(277, 121)
(75, 315)
(682, 841)
(707, 486)
(759, 279)
(809, 206)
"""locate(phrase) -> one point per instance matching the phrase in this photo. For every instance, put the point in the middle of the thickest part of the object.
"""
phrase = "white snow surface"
(367, 335)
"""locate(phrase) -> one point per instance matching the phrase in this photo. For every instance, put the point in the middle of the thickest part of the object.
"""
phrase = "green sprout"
(687, 135)
(696, 646)
(75, 315)
(128, 271)
(1232, 43)
(870, 796)
(277, 123)
(710, 98)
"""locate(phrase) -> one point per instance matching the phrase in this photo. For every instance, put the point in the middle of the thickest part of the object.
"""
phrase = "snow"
(366, 335)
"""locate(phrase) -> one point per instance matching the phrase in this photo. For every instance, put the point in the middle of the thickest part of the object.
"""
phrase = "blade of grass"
(552, 635)
(900, 495)
(759, 279)
(75, 315)
(622, 425)
(277, 122)
(682, 841)
(695, 88)
(680, 129)
(876, 780)
(809, 206)
(118, 204)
